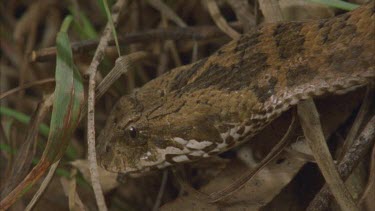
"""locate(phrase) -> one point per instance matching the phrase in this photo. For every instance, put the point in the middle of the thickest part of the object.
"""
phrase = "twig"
(236, 185)
(312, 130)
(370, 187)
(170, 44)
(25, 86)
(99, 54)
(194, 54)
(122, 65)
(275, 151)
(163, 60)
(43, 186)
(370, 91)
(195, 33)
(167, 11)
(243, 13)
(70, 190)
(26, 29)
(351, 159)
(271, 10)
(220, 21)
(161, 191)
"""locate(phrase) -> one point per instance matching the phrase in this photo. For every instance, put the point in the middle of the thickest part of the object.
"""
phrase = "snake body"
(213, 105)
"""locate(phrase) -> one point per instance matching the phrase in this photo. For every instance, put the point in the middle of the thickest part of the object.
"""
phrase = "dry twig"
(365, 200)
(195, 33)
(70, 190)
(275, 151)
(363, 111)
(161, 191)
(167, 12)
(25, 86)
(43, 186)
(99, 54)
(220, 21)
(312, 130)
(271, 10)
(122, 65)
(242, 10)
(239, 183)
(350, 160)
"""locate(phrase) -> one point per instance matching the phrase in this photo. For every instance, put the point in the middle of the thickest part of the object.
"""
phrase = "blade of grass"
(43, 186)
(101, 6)
(43, 128)
(82, 24)
(59, 171)
(6, 148)
(68, 98)
(27, 150)
(67, 105)
(23, 118)
(338, 4)
(110, 21)
(312, 129)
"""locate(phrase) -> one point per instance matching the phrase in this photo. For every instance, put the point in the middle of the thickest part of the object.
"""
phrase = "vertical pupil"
(132, 132)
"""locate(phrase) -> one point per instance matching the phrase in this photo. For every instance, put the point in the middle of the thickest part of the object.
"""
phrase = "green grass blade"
(43, 128)
(67, 106)
(109, 17)
(23, 118)
(338, 4)
(68, 99)
(66, 24)
(82, 25)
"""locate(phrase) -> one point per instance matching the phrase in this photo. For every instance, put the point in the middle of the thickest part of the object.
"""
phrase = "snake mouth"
(120, 165)
(115, 156)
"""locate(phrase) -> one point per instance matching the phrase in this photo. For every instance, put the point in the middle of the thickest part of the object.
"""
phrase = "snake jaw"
(121, 158)
(116, 154)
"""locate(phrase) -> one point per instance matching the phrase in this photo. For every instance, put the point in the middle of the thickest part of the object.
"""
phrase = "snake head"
(129, 142)
(122, 142)
(143, 134)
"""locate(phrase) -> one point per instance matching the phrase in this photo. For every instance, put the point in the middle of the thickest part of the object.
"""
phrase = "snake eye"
(133, 132)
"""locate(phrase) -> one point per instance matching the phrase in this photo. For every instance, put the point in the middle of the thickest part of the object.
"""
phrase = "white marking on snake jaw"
(174, 150)
(180, 140)
(197, 153)
(224, 135)
(180, 158)
(274, 100)
(220, 146)
(194, 144)
(234, 134)
(247, 129)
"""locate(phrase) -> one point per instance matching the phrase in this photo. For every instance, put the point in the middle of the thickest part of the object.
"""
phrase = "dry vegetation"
(158, 36)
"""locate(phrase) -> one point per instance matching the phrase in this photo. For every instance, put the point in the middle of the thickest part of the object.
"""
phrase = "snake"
(217, 103)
